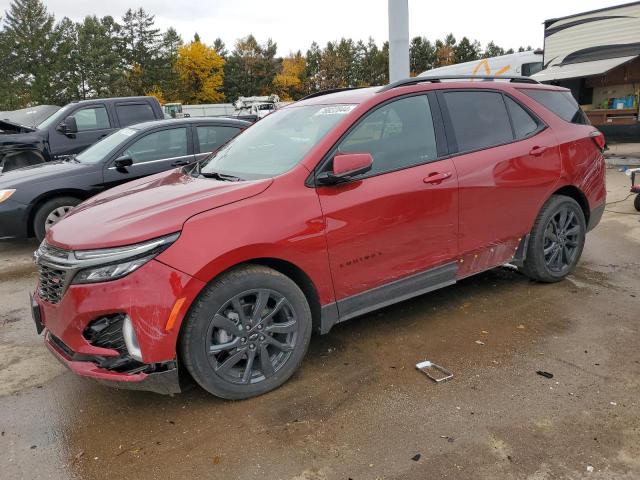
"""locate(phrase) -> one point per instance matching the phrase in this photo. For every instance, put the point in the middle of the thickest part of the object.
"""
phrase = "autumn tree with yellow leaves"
(288, 84)
(201, 71)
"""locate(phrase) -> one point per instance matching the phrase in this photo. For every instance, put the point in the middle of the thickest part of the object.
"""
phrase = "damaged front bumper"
(117, 332)
(165, 380)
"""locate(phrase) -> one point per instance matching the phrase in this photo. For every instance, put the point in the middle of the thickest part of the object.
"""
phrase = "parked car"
(322, 211)
(34, 198)
(71, 129)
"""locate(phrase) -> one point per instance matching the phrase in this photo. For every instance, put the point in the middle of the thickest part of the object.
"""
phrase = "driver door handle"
(436, 177)
(179, 163)
(537, 151)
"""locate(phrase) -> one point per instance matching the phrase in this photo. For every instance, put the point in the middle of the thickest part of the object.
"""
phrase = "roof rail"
(327, 92)
(438, 78)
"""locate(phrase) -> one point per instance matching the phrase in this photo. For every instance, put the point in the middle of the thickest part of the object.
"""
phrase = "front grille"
(52, 283)
(106, 332)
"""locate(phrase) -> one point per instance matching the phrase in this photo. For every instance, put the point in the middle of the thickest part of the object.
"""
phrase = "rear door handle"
(179, 163)
(436, 177)
(537, 151)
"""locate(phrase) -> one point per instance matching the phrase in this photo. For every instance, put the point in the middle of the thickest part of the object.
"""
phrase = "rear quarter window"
(561, 103)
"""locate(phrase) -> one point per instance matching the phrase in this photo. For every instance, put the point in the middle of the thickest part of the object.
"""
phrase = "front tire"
(247, 333)
(556, 240)
(636, 202)
(50, 213)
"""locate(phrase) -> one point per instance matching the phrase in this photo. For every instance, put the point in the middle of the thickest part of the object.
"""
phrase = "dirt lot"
(358, 408)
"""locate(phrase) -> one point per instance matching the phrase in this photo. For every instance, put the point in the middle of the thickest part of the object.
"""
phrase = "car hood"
(42, 172)
(8, 126)
(146, 208)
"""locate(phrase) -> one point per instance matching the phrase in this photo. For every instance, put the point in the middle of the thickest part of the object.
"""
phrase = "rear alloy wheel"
(247, 333)
(50, 213)
(556, 241)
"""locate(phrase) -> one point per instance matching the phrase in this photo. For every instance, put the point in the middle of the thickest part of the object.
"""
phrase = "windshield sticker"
(335, 110)
(127, 131)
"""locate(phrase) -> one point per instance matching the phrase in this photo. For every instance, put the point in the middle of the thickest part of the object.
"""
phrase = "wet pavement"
(358, 408)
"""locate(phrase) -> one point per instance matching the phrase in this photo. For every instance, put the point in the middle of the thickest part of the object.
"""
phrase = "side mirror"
(123, 162)
(345, 167)
(70, 125)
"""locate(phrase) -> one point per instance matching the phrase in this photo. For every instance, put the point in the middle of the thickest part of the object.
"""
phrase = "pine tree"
(30, 40)
(466, 51)
(140, 45)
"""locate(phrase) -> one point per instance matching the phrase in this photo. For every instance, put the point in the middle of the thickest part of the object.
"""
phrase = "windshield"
(98, 151)
(276, 143)
(55, 118)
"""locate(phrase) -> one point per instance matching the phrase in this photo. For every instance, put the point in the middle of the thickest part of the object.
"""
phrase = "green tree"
(422, 55)
(466, 51)
(492, 50)
(100, 65)
(312, 69)
(166, 78)
(220, 48)
(140, 44)
(30, 39)
(251, 68)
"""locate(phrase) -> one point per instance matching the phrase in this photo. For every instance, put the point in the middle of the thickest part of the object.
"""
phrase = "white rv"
(514, 64)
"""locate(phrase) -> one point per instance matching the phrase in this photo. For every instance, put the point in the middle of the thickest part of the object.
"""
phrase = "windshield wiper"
(221, 176)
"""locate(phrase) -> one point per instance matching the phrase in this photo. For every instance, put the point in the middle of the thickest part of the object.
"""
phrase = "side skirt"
(388, 294)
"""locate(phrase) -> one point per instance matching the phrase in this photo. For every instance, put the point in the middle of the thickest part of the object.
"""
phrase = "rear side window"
(397, 135)
(131, 113)
(92, 118)
(523, 123)
(479, 119)
(211, 137)
(561, 103)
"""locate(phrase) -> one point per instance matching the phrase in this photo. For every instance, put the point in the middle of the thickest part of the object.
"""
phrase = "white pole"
(398, 40)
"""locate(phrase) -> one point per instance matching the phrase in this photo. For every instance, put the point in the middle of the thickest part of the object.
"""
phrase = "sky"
(294, 24)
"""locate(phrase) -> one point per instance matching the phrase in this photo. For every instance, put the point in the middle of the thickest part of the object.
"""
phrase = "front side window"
(98, 152)
(276, 143)
(129, 114)
(397, 135)
(479, 119)
(523, 123)
(93, 118)
(210, 137)
(559, 102)
(159, 145)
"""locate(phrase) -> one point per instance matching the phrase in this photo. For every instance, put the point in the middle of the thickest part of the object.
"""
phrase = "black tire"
(548, 260)
(218, 358)
(41, 217)
(636, 202)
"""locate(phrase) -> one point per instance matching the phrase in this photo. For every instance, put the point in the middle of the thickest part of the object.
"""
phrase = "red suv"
(337, 205)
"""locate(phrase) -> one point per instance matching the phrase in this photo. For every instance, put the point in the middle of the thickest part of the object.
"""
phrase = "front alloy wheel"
(252, 336)
(247, 332)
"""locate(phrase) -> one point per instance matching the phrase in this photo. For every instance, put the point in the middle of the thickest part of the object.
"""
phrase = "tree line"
(44, 61)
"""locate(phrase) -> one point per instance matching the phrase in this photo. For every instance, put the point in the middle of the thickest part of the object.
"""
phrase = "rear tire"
(636, 202)
(50, 213)
(246, 333)
(556, 240)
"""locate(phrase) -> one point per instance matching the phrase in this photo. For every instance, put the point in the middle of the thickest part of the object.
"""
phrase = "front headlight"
(5, 194)
(112, 263)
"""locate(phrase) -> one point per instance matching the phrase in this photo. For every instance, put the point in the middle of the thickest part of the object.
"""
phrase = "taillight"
(598, 139)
